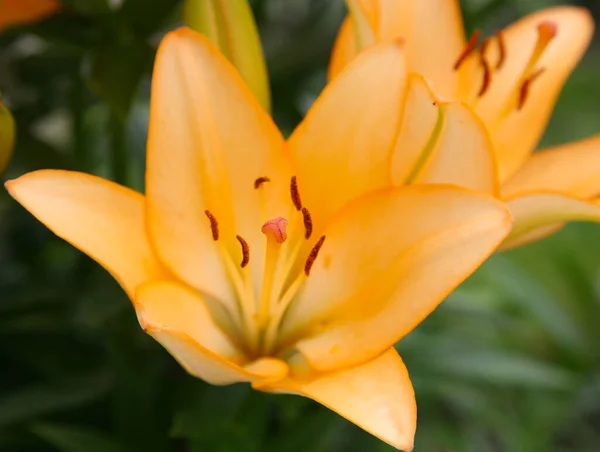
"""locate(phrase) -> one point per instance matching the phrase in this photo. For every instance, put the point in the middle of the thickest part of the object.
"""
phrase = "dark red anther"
(313, 255)
(295, 193)
(501, 49)
(260, 181)
(471, 45)
(487, 71)
(524, 91)
(245, 251)
(308, 225)
(214, 224)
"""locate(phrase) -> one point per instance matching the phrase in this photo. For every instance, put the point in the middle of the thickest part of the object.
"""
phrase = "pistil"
(276, 233)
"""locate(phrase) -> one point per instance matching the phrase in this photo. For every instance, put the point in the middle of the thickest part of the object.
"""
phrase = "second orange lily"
(511, 80)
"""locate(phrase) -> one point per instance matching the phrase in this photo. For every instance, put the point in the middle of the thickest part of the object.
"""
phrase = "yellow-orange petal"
(433, 34)
(531, 236)
(573, 168)
(421, 124)
(209, 141)
(388, 260)
(344, 49)
(102, 219)
(179, 319)
(536, 210)
(18, 12)
(463, 154)
(377, 396)
(343, 146)
(516, 132)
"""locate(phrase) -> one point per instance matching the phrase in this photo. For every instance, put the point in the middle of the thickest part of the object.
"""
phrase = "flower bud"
(7, 136)
(230, 25)
(363, 27)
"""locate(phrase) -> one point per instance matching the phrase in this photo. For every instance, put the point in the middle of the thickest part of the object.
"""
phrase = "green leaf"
(68, 438)
(533, 296)
(314, 431)
(36, 400)
(506, 368)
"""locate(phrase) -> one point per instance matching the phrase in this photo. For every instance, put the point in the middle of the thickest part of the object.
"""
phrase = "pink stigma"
(276, 228)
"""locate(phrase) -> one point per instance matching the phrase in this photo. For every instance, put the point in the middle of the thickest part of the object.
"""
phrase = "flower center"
(546, 31)
(288, 259)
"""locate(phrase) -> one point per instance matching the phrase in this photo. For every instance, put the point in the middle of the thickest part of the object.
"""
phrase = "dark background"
(511, 362)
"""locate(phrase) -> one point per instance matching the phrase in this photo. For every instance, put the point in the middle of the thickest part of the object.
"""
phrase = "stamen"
(524, 90)
(487, 72)
(308, 225)
(313, 256)
(214, 224)
(260, 181)
(245, 251)
(547, 30)
(295, 193)
(501, 49)
(471, 45)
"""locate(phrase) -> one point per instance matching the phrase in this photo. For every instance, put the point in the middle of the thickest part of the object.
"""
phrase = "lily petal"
(544, 210)
(421, 125)
(209, 141)
(516, 132)
(573, 168)
(463, 154)
(101, 218)
(433, 32)
(377, 396)
(532, 236)
(179, 319)
(344, 49)
(388, 260)
(343, 146)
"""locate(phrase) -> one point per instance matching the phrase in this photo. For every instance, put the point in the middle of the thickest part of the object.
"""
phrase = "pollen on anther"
(313, 255)
(245, 251)
(308, 224)
(295, 193)
(524, 91)
(214, 224)
(501, 49)
(487, 72)
(260, 181)
(471, 45)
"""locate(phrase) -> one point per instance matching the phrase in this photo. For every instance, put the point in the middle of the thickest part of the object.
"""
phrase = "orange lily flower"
(511, 81)
(295, 266)
(20, 12)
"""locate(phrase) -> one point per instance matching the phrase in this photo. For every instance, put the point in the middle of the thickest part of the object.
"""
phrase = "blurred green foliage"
(511, 362)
